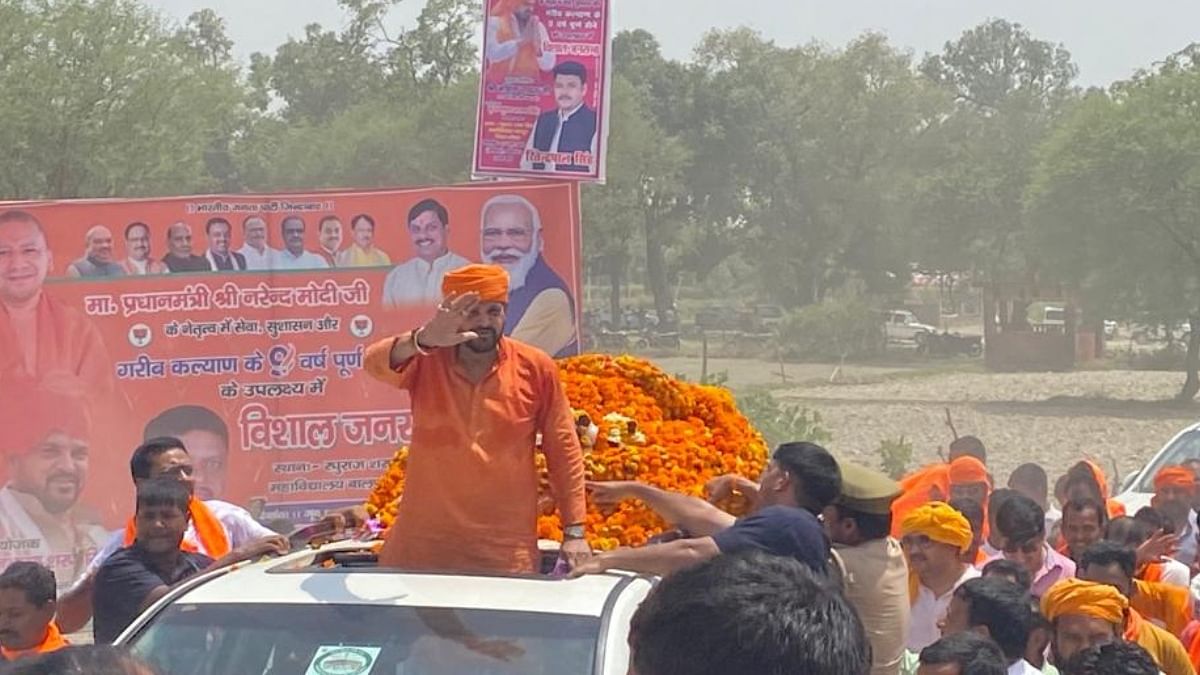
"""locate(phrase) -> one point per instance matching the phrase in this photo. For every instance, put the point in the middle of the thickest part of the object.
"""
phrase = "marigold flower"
(653, 428)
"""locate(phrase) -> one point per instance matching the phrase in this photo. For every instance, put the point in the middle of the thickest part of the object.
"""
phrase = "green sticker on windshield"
(343, 660)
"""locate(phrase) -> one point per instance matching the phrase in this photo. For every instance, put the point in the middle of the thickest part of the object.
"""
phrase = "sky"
(1109, 39)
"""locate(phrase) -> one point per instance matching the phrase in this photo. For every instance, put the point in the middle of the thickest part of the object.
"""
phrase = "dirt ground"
(1117, 417)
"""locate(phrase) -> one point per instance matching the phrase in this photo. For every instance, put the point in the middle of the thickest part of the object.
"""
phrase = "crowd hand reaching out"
(1157, 547)
(443, 330)
(611, 493)
(271, 545)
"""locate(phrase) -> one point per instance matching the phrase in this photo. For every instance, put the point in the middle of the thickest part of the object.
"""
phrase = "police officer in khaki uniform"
(874, 573)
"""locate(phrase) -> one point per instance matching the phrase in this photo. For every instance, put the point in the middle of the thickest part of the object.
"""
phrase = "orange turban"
(967, 469)
(941, 523)
(29, 415)
(1174, 476)
(1076, 596)
(489, 281)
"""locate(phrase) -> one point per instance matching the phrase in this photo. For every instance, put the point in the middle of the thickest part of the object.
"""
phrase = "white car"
(1138, 488)
(334, 612)
(902, 325)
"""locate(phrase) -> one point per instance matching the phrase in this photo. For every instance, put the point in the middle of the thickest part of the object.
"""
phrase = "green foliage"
(780, 422)
(835, 329)
(895, 454)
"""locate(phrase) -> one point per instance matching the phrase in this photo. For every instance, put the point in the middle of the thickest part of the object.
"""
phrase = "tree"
(102, 98)
(1115, 201)
(974, 163)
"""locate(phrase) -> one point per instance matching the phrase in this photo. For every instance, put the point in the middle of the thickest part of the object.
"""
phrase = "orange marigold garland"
(638, 424)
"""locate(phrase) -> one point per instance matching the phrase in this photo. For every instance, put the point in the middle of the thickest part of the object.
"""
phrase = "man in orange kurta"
(40, 338)
(479, 402)
(517, 44)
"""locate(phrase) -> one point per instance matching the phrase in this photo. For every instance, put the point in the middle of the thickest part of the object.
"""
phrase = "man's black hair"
(144, 454)
(997, 498)
(754, 613)
(816, 475)
(572, 68)
(1115, 658)
(362, 216)
(214, 221)
(181, 419)
(1125, 530)
(871, 526)
(326, 219)
(1105, 553)
(970, 651)
(36, 581)
(1031, 475)
(1010, 569)
(1001, 606)
(136, 223)
(429, 205)
(1079, 505)
(163, 491)
(1157, 520)
(1020, 519)
(287, 219)
(968, 446)
(971, 510)
(81, 660)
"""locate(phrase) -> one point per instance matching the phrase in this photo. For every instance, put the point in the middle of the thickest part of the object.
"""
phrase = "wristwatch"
(572, 532)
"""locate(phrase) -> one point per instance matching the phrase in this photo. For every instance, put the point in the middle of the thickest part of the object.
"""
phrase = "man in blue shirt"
(798, 483)
(136, 577)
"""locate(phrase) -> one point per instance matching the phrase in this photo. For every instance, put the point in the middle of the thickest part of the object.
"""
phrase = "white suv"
(334, 612)
(1138, 488)
(902, 326)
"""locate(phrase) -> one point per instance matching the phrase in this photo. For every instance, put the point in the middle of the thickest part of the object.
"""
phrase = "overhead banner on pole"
(238, 323)
(544, 89)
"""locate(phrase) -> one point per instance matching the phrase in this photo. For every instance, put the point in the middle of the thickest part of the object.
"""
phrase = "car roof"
(312, 577)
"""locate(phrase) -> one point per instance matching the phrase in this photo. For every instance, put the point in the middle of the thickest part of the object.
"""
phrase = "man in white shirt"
(258, 255)
(934, 537)
(293, 256)
(419, 280)
(157, 458)
(998, 609)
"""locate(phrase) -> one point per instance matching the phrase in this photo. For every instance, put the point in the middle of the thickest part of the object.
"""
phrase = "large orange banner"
(238, 324)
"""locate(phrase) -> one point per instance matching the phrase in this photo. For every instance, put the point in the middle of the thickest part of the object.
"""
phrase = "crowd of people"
(836, 570)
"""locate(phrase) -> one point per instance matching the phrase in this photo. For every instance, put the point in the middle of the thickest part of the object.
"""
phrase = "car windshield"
(1186, 447)
(299, 639)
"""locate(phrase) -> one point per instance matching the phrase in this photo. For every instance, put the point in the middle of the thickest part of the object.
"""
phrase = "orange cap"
(1174, 476)
(489, 281)
(967, 469)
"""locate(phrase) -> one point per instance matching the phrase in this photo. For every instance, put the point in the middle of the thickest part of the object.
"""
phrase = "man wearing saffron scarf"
(214, 528)
(27, 592)
(1165, 606)
(479, 401)
(1174, 490)
(1087, 613)
(137, 576)
(935, 538)
(1086, 479)
(41, 339)
(517, 44)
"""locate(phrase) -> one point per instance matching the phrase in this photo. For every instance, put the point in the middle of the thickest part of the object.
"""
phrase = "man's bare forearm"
(402, 350)
(696, 516)
(660, 559)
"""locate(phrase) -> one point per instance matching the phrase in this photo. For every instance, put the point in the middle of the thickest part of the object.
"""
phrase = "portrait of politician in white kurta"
(541, 311)
(419, 279)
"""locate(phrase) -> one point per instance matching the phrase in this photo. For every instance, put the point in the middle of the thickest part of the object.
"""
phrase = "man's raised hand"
(443, 330)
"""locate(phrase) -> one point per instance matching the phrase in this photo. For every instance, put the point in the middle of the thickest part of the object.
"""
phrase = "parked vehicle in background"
(1138, 488)
(901, 326)
(768, 317)
(1047, 317)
